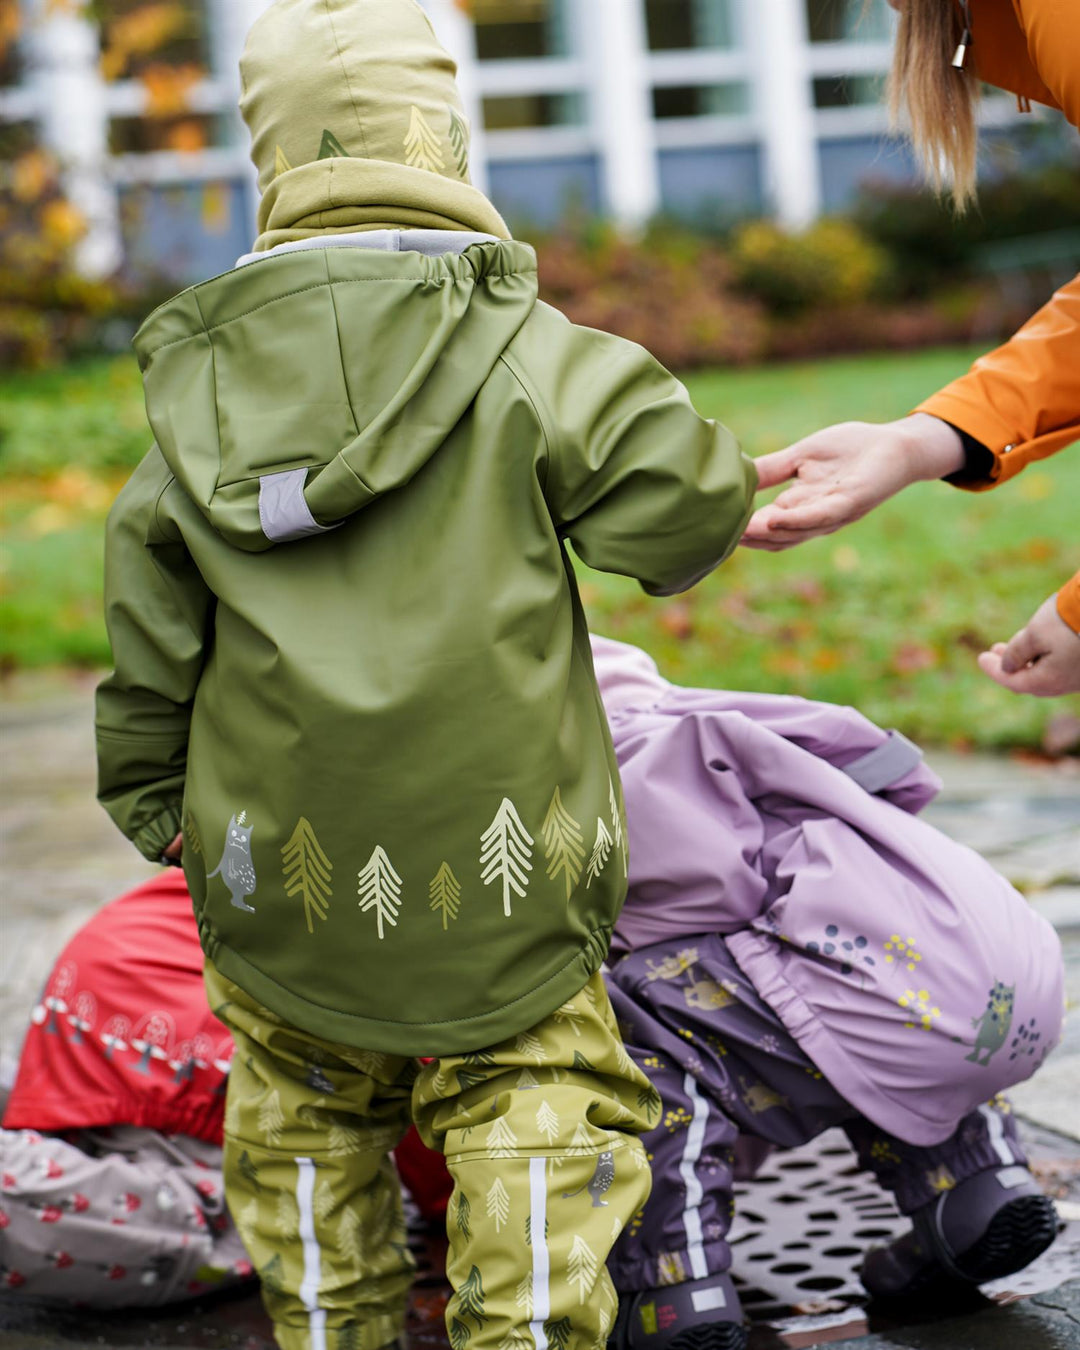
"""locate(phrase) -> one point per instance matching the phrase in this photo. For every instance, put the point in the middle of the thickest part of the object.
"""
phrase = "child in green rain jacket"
(351, 666)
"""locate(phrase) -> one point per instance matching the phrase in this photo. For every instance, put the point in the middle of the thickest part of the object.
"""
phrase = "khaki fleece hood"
(287, 395)
(356, 123)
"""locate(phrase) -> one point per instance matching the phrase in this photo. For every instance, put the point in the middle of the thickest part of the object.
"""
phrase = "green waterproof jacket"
(350, 658)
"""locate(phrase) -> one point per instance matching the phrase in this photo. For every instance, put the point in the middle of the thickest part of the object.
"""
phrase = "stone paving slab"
(1046, 1322)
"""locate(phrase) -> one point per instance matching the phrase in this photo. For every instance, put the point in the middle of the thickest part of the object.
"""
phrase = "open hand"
(1043, 658)
(843, 472)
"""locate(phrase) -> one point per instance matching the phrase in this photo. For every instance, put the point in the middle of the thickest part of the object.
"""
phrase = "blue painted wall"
(848, 163)
(544, 191)
(711, 184)
(184, 232)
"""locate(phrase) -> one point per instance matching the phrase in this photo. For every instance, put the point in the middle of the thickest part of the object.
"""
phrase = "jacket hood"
(290, 393)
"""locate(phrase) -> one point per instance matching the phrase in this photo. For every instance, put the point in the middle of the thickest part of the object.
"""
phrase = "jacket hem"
(451, 1037)
(755, 958)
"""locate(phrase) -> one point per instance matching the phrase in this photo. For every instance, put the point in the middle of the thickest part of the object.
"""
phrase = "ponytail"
(938, 98)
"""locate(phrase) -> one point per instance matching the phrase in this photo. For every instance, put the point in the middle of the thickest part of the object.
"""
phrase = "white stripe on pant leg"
(541, 1269)
(695, 1140)
(309, 1289)
(996, 1131)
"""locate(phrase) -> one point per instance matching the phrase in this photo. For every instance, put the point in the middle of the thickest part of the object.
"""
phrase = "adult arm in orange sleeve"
(1017, 404)
(1022, 400)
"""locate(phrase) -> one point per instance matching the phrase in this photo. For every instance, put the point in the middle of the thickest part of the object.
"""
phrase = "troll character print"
(599, 1182)
(992, 1025)
(236, 867)
(699, 991)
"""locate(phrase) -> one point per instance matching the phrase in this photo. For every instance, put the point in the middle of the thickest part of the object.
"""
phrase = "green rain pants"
(539, 1134)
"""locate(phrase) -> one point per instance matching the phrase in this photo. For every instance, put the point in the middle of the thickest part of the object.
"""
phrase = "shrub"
(929, 242)
(833, 262)
(672, 293)
(48, 307)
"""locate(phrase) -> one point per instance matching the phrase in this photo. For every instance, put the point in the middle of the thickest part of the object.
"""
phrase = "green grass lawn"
(887, 615)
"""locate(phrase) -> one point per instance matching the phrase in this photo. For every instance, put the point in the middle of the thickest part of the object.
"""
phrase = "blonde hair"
(939, 100)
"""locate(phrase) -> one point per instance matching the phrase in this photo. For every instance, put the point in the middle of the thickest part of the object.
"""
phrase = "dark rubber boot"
(698, 1315)
(993, 1224)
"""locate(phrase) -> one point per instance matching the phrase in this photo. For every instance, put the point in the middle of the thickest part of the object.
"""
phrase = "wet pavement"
(60, 858)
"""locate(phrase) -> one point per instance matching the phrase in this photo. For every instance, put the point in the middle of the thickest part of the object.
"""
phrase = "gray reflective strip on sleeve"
(282, 509)
(886, 765)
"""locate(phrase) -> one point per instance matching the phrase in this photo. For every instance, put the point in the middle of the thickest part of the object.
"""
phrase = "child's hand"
(1043, 658)
(843, 472)
(171, 855)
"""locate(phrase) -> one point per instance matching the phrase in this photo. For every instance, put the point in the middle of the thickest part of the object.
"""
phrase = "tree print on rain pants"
(540, 1137)
(726, 1066)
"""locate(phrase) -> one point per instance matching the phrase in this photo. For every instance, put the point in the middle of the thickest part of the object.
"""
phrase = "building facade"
(706, 110)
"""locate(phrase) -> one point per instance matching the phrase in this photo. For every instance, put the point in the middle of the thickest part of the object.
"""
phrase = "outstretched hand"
(1043, 658)
(843, 472)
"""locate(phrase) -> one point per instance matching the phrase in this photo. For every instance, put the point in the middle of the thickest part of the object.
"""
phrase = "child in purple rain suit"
(799, 950)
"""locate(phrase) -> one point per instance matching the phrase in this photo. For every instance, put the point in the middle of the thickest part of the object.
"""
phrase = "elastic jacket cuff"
(978, 461)
(1009, 452)
(153, 839)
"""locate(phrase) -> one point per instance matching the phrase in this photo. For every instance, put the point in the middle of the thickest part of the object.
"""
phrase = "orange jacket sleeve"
(1022, 401)
(1068, 603)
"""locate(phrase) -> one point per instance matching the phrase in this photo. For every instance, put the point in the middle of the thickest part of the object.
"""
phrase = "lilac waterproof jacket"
(912, 974)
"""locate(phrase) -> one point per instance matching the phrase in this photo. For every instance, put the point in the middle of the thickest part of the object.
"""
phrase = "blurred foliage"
(928, 243)
(49, 310)
(87, 417)
(672, 292)
(761, 293)
(831, 263)
(136, 33)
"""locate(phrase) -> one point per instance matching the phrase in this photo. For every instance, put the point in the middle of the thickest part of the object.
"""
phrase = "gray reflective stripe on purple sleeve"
(282, 509)
(886, 764)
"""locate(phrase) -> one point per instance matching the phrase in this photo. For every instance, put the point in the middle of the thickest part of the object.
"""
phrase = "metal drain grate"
(804, 1223)
(802, 1227)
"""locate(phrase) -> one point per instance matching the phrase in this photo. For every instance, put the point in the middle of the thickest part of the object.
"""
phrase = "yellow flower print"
(678, 1119)
(899, 950)
(882, 1151)
(920, 1007)
(941, 1179)
(670, 1268)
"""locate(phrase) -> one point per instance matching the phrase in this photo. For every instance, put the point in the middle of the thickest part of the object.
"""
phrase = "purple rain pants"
(725, 1066)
